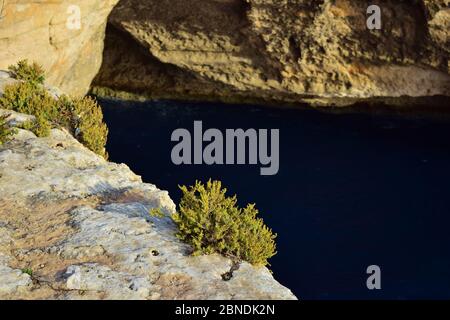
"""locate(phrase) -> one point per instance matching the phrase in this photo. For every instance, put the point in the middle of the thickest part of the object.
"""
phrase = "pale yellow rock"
(47, 32)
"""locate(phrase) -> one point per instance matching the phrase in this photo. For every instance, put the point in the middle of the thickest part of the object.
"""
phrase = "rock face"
(80, 228)
(277, 50)
(48, 32)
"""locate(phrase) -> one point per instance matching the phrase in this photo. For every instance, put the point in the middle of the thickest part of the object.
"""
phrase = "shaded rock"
(277, 50)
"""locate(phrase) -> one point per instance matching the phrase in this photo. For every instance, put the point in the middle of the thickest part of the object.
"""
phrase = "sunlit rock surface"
(64, 36)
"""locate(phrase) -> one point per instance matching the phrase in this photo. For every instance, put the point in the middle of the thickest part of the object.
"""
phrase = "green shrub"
(25, 97)
(19, 96)
(88, 123)
(5, 131)
(40, 126)
(212, 222)
(82, 117)
(32, 73)
(157, 213)
(28, 271)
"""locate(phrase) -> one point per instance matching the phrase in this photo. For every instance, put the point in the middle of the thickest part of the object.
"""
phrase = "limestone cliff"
(74, 226)
(277, 49)
(65, 36)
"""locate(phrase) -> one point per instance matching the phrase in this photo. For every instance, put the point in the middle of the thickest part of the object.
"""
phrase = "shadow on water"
(352, 191)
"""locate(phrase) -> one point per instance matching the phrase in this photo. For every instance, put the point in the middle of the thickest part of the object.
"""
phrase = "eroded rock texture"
(74, 226)
(277, 49)
(38, 31)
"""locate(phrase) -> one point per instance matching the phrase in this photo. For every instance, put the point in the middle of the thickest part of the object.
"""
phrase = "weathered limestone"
(81, 224)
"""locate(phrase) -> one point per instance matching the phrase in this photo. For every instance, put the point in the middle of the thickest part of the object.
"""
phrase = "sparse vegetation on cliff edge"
(212, 222)
(82, 117)
(32, 73)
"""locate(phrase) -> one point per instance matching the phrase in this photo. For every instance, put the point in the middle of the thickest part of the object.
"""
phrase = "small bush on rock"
(82, 117)
(5, 131)
(40, 126)
(156, 213)
(212, 222)
(87, 120)
(25, 97)
(28, 271)
(32, 73)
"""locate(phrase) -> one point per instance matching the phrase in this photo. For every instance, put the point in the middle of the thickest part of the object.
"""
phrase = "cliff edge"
(74, 226)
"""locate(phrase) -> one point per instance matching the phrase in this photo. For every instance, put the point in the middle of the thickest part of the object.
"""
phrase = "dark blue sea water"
(352, 191)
